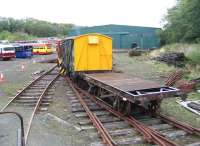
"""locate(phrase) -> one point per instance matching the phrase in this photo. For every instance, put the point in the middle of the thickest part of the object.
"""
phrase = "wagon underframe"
(122, 88)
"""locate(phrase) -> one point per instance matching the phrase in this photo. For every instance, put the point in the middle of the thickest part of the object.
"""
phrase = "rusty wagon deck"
(129, 88)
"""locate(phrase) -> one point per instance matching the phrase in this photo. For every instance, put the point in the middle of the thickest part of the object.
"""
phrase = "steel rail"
(37, 107)
(188, 128)
(156, 136)
(149, 134)
(21, 124)
(18, 94)
(94, 119)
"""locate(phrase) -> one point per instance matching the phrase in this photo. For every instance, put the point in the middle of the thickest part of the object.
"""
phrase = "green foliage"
(27, 28)
(4, 35)
(194, 55)
(16, 36)
(183, 23)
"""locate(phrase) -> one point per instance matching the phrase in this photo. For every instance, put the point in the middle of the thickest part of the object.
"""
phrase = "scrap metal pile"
(175, 79)
(173, 58)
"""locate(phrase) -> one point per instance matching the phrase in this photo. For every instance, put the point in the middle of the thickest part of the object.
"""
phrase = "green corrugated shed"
(123, 36)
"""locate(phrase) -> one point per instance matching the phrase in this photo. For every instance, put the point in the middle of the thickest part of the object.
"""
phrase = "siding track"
(35, 97)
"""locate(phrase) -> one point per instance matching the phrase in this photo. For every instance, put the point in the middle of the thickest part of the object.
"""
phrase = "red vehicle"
(7, 51)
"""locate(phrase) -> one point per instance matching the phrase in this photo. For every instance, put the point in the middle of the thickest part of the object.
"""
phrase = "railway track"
(116, 129)
(35, 97)
(113, 131)
(180, 133)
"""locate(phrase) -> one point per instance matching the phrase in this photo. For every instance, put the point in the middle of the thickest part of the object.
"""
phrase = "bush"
(4, 35)
(17, 36)
(194, 54)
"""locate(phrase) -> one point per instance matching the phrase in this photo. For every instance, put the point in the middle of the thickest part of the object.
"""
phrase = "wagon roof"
(75, 37)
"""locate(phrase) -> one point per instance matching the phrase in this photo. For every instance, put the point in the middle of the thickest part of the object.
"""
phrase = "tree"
(183, 22)
(23, 27)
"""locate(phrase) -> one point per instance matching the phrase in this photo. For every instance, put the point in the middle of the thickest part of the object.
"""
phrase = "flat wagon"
(87, 59)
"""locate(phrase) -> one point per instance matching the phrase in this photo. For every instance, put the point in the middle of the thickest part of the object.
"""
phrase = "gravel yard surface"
(54, 127)
(58, 126)
(17, 73)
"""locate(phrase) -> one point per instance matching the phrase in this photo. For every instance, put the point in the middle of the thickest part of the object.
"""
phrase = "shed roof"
(5, 45)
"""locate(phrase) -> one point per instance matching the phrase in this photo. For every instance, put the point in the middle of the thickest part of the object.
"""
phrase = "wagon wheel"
(154, 107)
(116, 103)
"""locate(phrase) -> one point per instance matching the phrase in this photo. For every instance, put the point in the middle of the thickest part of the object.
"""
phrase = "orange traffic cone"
(22, 67)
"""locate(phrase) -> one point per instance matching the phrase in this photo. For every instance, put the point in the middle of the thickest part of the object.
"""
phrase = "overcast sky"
(90, 12)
